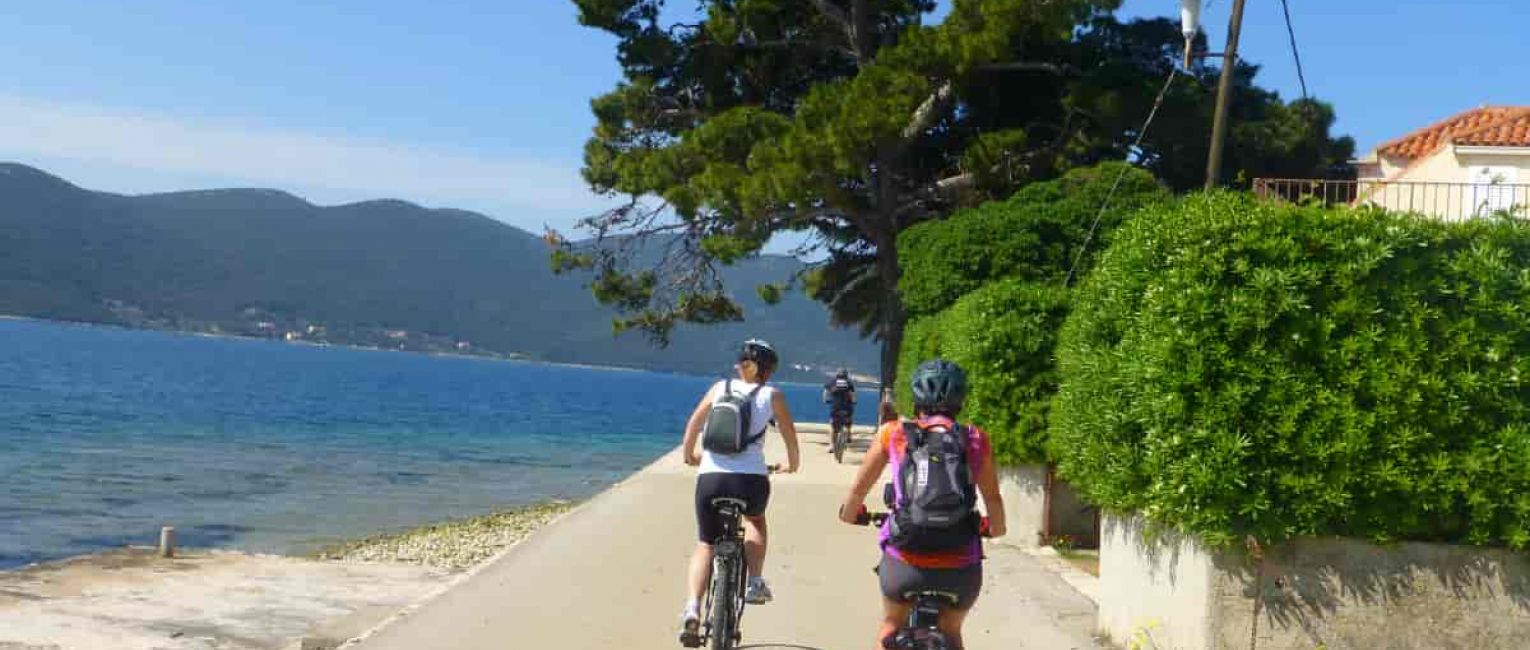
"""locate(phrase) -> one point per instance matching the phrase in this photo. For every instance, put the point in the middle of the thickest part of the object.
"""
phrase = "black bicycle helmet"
(842, 374)
(760, 352)
(940, 386)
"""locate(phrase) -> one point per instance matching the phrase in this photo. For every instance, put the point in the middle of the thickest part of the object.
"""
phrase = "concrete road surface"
(611, 574)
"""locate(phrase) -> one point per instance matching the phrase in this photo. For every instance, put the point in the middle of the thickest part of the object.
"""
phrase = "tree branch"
(954, 185)
(925, 116)
(931, 109)
(827, 8)
(1027, 66)
(935, 106)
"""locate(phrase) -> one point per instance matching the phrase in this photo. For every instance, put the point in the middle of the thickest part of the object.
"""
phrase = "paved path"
(611, 575)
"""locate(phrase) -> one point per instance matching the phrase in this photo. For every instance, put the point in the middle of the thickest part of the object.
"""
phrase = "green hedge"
(1003, 335)
(1235, 367)
(1033, 235)
(921, 342)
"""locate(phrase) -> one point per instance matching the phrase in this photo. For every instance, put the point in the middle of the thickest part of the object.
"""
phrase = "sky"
(484, 104)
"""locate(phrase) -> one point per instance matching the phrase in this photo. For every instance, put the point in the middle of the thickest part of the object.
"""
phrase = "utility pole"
(1224, 92)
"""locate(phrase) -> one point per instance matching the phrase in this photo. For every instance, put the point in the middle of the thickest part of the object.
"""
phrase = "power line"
(1295, 53)
(1136, 146)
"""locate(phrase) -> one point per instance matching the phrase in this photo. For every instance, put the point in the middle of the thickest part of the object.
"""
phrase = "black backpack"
(728, 429)
(934, 502)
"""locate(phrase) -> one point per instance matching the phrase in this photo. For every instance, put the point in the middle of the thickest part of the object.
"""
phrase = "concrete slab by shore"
(130, 599)
(610, 574)
(133, 600)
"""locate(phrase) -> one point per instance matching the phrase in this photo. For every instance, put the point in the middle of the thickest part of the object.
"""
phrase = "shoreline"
(132, 599)
(455, 544)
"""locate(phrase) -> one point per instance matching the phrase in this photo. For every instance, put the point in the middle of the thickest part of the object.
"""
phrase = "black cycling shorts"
(752, 489)
(899, 578)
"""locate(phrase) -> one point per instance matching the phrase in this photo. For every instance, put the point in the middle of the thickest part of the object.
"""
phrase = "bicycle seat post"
(926, 612)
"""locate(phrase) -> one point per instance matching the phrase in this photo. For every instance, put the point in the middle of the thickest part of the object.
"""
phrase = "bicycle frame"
(727, 561)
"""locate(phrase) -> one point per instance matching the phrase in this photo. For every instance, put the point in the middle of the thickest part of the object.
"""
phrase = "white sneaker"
(757, 592)
(690, 627)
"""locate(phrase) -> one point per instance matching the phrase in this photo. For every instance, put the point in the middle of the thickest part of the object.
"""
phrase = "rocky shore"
(452, 545)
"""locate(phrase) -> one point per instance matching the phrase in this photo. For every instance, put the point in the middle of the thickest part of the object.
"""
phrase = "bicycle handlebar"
(864, 518)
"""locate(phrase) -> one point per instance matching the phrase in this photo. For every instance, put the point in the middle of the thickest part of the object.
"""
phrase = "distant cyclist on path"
(839, 394)
(743, 475)
(916, 553)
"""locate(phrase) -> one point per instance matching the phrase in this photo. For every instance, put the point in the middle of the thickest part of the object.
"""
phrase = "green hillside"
(386, 273)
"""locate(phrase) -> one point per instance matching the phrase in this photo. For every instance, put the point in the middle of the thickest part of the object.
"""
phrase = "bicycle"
(724, 606)
(921, 631)
(840, 424)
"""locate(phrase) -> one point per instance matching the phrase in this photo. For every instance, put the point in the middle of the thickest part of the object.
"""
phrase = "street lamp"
(1189, 24)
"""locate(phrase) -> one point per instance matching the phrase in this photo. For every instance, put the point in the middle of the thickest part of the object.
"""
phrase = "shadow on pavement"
(783, 646)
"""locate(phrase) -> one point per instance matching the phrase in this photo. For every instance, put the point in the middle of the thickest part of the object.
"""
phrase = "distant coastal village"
(257, 323)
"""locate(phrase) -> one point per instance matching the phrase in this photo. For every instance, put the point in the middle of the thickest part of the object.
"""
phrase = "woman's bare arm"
(871, 470)
(788, 429)
(993, 501)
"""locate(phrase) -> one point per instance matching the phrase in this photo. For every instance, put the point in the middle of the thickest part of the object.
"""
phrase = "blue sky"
(483, 104)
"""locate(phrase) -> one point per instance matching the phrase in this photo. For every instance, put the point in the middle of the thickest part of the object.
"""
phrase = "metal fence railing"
(1452, 201)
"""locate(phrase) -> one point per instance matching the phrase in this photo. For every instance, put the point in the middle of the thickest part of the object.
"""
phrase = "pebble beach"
(452, 545)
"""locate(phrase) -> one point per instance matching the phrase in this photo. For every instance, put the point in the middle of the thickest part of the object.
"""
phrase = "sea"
(107, 434)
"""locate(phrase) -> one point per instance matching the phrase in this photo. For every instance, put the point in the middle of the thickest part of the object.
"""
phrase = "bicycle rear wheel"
(725, 599)
(840, 435)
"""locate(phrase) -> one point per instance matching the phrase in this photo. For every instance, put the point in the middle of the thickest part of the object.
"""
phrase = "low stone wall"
(1170, 593)
(1024, 491)
(1025, 502)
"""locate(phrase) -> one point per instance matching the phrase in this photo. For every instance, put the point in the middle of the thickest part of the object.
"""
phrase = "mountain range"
(384, 273)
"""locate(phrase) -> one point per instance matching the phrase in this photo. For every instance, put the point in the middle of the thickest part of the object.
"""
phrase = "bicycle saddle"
(723, 502)
(948, 597)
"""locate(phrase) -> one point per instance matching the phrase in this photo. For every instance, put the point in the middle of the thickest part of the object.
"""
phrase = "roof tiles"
(1493, 126)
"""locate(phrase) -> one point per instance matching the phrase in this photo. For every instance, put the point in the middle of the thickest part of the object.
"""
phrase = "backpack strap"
(914, 433)
(751, 438)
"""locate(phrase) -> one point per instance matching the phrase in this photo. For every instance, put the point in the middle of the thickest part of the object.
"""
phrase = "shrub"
(1003, 335)
(1033, 235)
(1234, 367)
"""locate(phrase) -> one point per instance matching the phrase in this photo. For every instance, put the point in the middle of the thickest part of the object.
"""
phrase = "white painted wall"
(1436, 185)
(1153, 594)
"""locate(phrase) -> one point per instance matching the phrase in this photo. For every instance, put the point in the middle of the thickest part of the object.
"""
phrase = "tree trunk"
(891, 330)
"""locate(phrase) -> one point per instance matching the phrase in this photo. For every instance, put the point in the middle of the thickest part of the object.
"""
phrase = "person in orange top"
(939, 389)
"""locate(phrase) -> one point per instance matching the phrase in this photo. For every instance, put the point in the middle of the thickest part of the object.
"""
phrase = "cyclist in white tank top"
(752, 459)
(743, 476)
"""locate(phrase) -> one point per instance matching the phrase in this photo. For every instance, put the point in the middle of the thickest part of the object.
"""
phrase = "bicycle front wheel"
(725, 584)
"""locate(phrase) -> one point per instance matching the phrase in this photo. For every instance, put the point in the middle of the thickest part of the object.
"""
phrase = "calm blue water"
(107, 434)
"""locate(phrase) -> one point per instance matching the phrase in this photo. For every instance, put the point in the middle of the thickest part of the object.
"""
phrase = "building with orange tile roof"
(1468, 164)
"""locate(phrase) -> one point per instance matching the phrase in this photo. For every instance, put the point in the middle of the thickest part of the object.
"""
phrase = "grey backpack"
(933, 497)
(728, 429)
